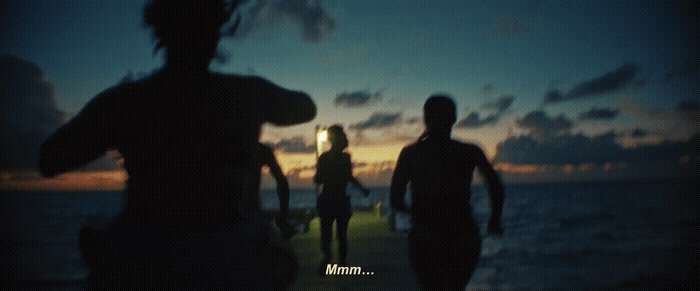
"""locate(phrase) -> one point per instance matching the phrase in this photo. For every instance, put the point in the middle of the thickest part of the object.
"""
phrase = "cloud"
(599, 113)
(28, 112)
(580, 149)
(357, 98)
(543, 126)
(295, 144)
(683, 113)
(298, 177)
(473, 121)
(553, 96)
(688, 106)
(377, 120)
(638, 132)
(501, 104)
(314, 21)
(296, 170)
(385, 138)
(488, 88)
(609, 82)
(414, 120)
(686, 70)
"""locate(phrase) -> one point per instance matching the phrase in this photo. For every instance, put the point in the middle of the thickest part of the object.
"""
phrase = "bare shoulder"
(466, 145)
(411, 148)
(244, 81)
(231, 81)
(469, 148)
(115, 95)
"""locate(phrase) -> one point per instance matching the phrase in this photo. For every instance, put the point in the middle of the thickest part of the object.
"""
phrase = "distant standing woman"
(444, 241)
(334, 172)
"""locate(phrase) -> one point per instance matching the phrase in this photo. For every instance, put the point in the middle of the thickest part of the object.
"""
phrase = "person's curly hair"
(337, 136)
(176, 21)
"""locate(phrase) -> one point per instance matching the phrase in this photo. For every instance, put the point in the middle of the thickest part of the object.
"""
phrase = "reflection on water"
(622, 234)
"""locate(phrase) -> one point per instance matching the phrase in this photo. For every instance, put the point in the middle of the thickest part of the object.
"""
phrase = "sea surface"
(641, 234)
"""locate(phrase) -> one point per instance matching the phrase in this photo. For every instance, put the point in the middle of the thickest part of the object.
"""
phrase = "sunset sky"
(551, 90)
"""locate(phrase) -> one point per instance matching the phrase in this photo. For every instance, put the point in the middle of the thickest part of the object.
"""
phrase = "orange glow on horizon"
(568, 169)
(586, 167)
(518, 169)
(113, 180)
(607, 167)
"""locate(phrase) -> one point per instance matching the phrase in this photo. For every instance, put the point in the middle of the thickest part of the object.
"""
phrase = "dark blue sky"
(586, 67)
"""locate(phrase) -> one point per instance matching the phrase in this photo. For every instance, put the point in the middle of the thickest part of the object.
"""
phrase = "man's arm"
(81, 140)
(398, 183)
(286, 107)
(282, 185)
(282, 190)
(354, 180)
(496, 192)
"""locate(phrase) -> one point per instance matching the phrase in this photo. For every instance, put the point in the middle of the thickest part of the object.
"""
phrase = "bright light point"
(323, 135)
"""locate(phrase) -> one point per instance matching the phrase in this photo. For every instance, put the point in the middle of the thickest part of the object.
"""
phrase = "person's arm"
(81, 140)
(354, 180)
(282, 186)
(285, 107)
(365, 191)
(496, 192)
(398, 183)
(319, 176)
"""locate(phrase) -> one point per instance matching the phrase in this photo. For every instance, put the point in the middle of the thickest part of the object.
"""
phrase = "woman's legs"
(443, 263)
(326, 236)
(342, 223)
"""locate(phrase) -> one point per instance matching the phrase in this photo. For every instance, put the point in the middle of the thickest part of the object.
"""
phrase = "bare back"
(188, 140)
(440, 174)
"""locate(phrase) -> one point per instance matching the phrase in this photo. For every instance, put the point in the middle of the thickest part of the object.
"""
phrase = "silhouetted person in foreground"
(189, 140)
(444, 241)
(266, 157)
(334, 172)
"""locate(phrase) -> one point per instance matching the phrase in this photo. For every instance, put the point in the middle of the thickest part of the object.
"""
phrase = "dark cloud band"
(580, 149)
(378, 120)
(295, 144)
(357, 98)
(544, 126)
(314, 21)
(474, 121)
(599, 114)
(609, 82)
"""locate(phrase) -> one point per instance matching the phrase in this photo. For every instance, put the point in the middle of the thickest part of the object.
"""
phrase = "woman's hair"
(175, 22)
(438, 107)
(337, 136)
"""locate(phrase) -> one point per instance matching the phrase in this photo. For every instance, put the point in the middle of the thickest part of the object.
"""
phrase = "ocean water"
(557, 236)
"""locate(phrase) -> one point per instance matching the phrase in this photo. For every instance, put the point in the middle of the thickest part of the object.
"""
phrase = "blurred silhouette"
(334, 172)
(444, 241)
(266, 157)
(189, 138)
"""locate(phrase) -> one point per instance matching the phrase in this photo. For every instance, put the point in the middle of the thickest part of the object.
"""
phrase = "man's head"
(439, 113)
(188, 30)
